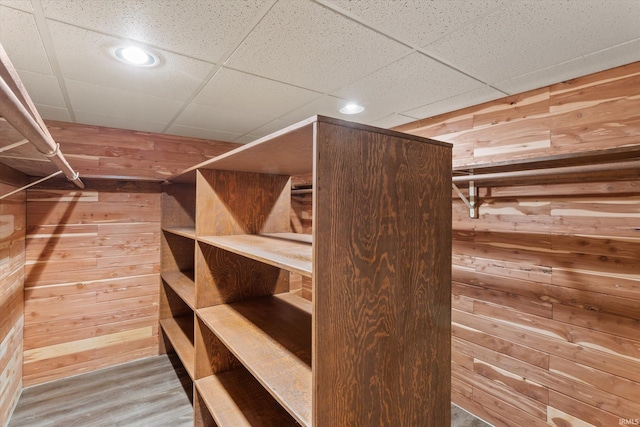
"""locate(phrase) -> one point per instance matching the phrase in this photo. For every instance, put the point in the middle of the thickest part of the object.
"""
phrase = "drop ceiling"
(236, 70)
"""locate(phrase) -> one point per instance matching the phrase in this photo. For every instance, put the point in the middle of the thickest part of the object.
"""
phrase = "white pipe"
(16, 114)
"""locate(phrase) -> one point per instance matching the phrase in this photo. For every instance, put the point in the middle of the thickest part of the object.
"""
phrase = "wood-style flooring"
(147, 392)
(151, 392)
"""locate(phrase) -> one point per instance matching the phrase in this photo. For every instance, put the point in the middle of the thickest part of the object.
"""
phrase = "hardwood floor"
(147, 392)
(151, 392)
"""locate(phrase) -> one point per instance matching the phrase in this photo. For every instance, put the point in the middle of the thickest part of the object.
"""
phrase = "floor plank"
(155, 391)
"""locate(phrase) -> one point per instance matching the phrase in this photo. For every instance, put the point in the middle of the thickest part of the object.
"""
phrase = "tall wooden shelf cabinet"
(372, 346)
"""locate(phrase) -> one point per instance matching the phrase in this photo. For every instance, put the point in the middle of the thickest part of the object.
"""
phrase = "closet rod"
(17, 115)
(564, 170)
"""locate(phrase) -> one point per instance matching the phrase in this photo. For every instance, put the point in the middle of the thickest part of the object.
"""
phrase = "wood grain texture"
(546, 283)
(224, 277)
(382, 281)
(242, 203)
(12, 257)
(92, 275)
(212, 357)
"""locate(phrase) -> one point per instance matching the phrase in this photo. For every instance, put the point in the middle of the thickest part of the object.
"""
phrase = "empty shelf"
(234, 398)
(179, 330)
(277, 249)
(182, 284)
(271, 337)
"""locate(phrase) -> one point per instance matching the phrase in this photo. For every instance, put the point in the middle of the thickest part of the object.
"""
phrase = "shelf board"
(176, 329)
(182, 284)
(234, 398)
(552, 161)
(188, 232)
(271, 337)
(290, 251)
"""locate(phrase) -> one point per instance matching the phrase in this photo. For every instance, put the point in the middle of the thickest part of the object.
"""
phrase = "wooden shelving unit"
(372, 344)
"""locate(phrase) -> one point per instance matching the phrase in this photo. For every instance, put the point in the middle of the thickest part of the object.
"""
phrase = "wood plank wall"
(92, 256)
(91, 277)
(546, 283)
(12, 256)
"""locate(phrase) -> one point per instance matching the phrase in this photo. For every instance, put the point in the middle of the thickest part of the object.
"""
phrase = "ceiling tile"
(43, 89)
(238, 91)
(599, 61)
(325, 106)
(18, 4)
(20, 38)
(267, 129)
(203, 117)
(408, 83)
(417, 22)
(86, 56)
(203, 29)
(532, 35)
(474, 97)
(131, 123)
(202, 133)
(119, 103)
(320, 49)
(393, 120)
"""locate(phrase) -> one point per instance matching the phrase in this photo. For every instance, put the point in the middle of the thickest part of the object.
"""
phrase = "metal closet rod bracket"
(472, 201)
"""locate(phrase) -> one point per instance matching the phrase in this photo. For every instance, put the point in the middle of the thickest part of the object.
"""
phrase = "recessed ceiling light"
(352, 109)
(135, 56)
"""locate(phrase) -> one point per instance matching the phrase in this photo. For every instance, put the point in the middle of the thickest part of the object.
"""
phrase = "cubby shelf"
(236, 398)
(182, 284)
(179, 330)
(271, 337)
(283, 250)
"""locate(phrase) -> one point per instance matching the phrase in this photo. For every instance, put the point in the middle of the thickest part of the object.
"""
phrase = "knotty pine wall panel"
(12, 257)
(546, 282)
(91, 277)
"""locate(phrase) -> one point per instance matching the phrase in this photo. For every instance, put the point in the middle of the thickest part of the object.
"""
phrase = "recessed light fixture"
(133, 55)
(352, 109)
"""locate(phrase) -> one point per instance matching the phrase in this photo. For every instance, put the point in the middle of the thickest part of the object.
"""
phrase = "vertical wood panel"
(12, 255)
(382, 280)
(547, 280)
